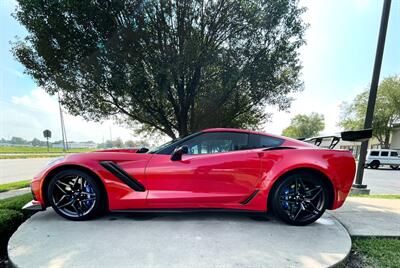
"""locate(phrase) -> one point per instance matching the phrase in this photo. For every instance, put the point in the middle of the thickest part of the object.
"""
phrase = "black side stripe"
(123, 176)
(248, 199)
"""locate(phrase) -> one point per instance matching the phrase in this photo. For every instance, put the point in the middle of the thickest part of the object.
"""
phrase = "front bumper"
(33, 206)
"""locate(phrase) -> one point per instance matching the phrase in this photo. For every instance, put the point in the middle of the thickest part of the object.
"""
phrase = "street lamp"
(358, 186)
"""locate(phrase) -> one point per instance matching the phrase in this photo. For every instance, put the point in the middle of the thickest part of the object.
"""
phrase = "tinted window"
(394, 154)
(217, 142)
(374, 153)
(261, 141)
(384, 153)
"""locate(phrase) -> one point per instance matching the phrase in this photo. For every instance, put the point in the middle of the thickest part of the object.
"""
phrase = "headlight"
(54, 161)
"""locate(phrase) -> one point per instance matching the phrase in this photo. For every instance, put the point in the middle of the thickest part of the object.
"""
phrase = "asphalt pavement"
(382, 180)
(20, 169)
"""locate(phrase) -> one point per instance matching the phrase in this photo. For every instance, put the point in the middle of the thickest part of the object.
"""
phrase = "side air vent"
(248, 199)
(123, 176)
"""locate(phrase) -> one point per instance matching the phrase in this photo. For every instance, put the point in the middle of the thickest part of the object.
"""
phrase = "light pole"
(63, 132)
(358, 186)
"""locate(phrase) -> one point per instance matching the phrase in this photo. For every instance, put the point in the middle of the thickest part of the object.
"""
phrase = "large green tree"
(386, 114)
(171, 66)
(305, 126)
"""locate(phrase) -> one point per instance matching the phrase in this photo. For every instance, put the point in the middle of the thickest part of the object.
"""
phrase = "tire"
(375, 164)
(302, 205)
(76, 195)
(394, 166)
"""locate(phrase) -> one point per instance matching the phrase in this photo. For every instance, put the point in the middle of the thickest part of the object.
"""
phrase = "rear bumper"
(33, 206)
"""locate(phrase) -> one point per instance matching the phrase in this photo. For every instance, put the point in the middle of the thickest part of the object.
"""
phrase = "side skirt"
(187, 210)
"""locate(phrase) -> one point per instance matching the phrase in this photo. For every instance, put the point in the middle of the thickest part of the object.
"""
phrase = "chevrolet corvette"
(214, 169)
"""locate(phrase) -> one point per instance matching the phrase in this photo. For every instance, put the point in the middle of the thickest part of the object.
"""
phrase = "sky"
(337, 65)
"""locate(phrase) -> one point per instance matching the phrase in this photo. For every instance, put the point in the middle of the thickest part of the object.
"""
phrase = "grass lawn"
(14, 185)
(11, 216)
(27, 150)
(382, 196)
(374, 252)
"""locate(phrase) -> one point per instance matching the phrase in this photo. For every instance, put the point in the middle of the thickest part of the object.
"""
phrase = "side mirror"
(142, 150)
(177, 154)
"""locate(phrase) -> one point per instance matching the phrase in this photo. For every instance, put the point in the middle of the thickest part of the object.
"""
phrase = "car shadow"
(187, 215)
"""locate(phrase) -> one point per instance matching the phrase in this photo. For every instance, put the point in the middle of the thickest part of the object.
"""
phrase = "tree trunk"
(386, 142)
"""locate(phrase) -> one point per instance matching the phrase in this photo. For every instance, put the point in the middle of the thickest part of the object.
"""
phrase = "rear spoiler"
(353, 135)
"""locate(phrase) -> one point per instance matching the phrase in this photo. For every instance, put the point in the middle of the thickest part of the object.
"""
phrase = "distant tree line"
(117, 143)
(22, 141)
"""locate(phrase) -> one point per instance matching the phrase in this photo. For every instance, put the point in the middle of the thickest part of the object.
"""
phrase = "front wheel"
(75, 195)
(394, 166)
(375, 164)
(300, 199)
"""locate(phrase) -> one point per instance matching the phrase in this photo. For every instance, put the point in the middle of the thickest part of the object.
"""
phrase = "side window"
(217, 142)
(384, 153)
(262, 141)
(395, 154)
(374, 153)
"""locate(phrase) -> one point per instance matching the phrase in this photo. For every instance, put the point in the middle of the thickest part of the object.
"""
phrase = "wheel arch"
(58, 169)
(316, 172)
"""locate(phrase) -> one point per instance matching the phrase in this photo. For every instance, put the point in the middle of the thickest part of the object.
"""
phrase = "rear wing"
(353, 135)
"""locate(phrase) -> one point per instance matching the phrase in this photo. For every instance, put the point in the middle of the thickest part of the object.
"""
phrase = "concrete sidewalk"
(13, 193)
(370, 216)
(193, 240)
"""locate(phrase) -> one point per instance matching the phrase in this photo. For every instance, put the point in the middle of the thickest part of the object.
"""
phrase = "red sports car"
(217, 169)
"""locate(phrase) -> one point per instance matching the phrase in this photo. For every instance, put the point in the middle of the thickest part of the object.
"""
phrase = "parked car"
(381, 157)
(214, 169)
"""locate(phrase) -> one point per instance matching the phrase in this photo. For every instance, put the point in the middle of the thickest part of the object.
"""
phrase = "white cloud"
(28, 115)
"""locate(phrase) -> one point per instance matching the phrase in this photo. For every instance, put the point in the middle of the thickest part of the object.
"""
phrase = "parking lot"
(382, 180)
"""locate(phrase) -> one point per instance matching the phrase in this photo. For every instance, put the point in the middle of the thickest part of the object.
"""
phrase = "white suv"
(380, 157)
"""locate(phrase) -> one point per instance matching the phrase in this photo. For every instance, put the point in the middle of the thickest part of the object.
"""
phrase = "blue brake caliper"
(286, 191)
(88, 189)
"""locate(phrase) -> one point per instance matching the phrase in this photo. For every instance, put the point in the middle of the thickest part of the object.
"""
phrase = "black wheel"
(75, 195)
(300, 198)
(375, 164)
(394, 166)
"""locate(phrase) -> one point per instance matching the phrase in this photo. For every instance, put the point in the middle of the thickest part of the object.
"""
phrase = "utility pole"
(358, 186)
(64, 135)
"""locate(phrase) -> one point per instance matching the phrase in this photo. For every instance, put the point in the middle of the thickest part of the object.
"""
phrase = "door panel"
(198, 180)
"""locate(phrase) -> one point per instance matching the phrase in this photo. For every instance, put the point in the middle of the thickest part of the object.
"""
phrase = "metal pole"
(61, 121)
(373, 91)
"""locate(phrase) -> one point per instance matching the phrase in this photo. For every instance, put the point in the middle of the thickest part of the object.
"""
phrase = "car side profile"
(217, 169)
(381, 157)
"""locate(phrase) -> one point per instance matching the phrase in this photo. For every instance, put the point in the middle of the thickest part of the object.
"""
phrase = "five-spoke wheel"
(300, 198)
(75, 195)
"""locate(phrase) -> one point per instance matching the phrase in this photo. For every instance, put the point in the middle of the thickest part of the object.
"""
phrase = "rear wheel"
(75, 195)
(375, 164)
(394, 166)
(300, 198)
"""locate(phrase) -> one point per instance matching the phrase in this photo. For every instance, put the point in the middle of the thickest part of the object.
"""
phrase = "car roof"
(240, 130)
(290, 140)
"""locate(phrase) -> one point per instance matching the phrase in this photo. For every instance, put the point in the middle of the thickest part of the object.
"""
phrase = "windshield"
(158, 148)
(170, 143)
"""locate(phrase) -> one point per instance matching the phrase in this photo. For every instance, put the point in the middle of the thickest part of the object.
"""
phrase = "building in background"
(76, 145)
